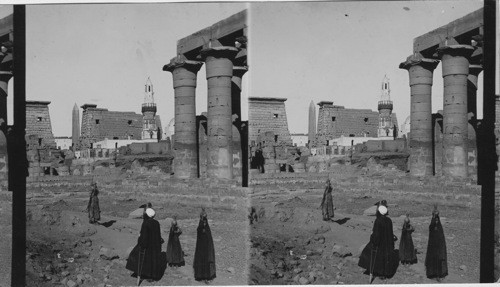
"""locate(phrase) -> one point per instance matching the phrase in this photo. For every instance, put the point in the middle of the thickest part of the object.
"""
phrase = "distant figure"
(145, 260)
(436, 264)
(379, 257)
(259, 160)
(175, 256)
(204, 255)
(327, 202)
(93, 206)
(407, 254)
(158, 134)
(253, 215)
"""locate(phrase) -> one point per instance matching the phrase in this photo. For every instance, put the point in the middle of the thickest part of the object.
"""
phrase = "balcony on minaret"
(149, 107)
(385, 105)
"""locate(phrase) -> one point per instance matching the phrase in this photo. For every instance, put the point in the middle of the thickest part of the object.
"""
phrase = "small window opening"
(115, 138)
(351, 135)
(96, 122)
(275, 138)
(39, 141)
(39, 119)
(129, 122)
(333, 119)
(366, 120)
(275, 116)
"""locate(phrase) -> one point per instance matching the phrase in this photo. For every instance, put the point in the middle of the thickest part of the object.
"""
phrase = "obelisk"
(75, 136)
(312, 123)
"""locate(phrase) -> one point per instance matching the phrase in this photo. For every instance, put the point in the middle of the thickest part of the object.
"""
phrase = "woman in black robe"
(379, 257)
(175, 256)
(93, 205)
(327, 202)
(204, 255)
(436, 265)
(407, 253)
(145, 260)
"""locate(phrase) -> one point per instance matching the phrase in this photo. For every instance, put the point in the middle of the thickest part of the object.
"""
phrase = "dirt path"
(293, 245)
(90, 255)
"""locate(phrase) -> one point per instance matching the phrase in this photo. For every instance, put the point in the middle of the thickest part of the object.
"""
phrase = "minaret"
(75, 136)
(149, 129)
(312, 124)
(386, 126)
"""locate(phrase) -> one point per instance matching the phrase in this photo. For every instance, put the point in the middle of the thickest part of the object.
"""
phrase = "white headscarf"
(150, 212)
(382, 209)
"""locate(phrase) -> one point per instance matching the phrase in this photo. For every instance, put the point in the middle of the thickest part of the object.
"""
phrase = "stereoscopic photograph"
(365, 129)
(249, 143)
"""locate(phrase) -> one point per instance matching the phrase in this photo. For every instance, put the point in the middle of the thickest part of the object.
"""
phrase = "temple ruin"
(445, 144)
(336, 121)
(223, 49)
(38, 125)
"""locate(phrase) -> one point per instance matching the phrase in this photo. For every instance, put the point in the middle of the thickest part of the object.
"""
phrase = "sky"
(340, 52)
(302, 51)
(104, 53)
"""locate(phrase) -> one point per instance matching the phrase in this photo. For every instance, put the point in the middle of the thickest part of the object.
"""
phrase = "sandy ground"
(291, 244)
(63, 248)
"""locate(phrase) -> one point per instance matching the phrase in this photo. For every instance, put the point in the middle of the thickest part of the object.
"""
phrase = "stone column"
(4, 155)
(237, 79)
(474, 71)
(236, 88)
(185, 151)
(455, 119)
(219, 67)
(4, 82)
(420, 71)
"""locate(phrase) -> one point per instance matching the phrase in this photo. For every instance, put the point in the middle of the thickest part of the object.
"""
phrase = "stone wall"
(335, 121)
(386, 145)
(98, 124)
(38, 125)
(268, 115)
(150, 148)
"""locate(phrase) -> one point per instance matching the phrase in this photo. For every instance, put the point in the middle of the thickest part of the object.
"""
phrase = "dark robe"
(147, 252)
(380, 250)
(93, 207)
(407, 252)
(204, 255)
(327, 204)
(436, 262)
(175, 256)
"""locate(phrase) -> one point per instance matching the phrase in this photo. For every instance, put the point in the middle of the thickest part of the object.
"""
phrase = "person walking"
(145, 260)
(436, 264)
(379, 257)
(204, 255)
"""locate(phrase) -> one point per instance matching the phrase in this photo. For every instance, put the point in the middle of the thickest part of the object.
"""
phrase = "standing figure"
(204, 255)
(436, 264)
(145, 260)
(379, 257)
(407, 253)
(253, 215)
(93, 205)
(327, 202)
(175, 256)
